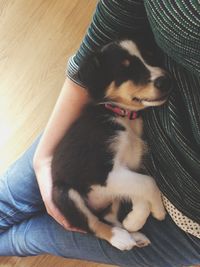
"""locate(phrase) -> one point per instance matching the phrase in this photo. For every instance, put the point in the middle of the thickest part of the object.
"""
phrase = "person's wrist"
(40, 162)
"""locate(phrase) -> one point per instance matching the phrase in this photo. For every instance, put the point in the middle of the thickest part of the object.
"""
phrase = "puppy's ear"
(91, 72)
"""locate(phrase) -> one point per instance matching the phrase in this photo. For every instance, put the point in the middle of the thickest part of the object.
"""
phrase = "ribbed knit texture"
(173, 131)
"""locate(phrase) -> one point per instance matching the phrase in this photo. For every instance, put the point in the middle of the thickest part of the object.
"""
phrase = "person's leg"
(41, 234)
(19, 193)
(26, 229)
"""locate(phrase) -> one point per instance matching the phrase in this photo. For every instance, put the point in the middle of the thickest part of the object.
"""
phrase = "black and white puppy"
(95, 165)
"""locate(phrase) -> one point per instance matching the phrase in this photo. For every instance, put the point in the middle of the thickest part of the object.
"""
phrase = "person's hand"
(44, 178)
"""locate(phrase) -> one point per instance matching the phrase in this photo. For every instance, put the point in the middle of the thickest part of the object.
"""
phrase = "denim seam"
(99, 241)
(11, 212)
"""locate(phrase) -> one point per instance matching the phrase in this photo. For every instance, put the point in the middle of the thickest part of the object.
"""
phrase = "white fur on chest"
(128, 149)
(128, 146)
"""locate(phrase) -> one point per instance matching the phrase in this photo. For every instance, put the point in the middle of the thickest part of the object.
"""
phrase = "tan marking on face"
(127, 91)
(126, 63)
(122, 94)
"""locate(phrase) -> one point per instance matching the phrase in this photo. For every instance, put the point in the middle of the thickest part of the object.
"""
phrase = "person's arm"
(68, 106)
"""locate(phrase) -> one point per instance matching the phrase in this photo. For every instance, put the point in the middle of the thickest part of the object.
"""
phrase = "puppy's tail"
(75, 216)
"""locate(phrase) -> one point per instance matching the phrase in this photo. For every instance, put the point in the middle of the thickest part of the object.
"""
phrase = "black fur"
(105, 66)
(82, 159)
(84, 150)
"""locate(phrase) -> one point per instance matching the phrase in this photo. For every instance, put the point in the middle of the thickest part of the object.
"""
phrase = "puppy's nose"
(163, 83)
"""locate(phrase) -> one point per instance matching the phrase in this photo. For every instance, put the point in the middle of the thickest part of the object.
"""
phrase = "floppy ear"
(92, 74)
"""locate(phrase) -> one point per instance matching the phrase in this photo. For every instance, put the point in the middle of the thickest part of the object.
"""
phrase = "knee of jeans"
(19, 199)
(10, 216)
(20, 240)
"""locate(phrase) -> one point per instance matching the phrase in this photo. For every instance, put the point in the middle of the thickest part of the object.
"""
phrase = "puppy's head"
(120, 73)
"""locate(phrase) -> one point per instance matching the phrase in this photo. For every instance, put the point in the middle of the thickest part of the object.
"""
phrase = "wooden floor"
(36, 38)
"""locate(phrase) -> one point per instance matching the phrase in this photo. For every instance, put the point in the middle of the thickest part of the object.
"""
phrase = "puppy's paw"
(132, 224)
(157, 208)
(158, 212)
(122, 240)
(159, 215)
(140, 239)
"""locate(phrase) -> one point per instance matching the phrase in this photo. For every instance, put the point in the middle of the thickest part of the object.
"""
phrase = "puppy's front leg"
(141, 189)
(136, 218)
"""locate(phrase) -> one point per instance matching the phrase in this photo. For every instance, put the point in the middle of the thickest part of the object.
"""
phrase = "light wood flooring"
(36, 39)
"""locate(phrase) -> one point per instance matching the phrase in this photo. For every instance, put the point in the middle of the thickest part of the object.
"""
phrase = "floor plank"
(46, 261)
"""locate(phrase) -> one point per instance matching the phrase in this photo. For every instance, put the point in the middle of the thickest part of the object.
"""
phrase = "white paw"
(140, 239)
(157, 207)
(159, 214)
(121, 239)
(133, 225)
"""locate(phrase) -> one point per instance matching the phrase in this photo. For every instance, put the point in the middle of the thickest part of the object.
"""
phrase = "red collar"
(132, 115)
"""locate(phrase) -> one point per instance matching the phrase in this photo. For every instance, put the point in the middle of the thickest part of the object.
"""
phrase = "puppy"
(95, 165)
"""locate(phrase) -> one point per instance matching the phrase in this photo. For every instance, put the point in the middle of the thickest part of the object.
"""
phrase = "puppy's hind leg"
(116, 236)
(130, 223)
(112, 215)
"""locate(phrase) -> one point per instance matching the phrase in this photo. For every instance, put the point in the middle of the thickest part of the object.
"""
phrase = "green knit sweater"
(173, 131)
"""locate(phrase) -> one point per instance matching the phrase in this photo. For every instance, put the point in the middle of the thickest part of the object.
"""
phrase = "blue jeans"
(26, 229)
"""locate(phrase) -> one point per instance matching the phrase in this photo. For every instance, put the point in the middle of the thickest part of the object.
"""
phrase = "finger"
(66, 224)
(69, 227)
(57, 215)
(74, 229)
(62, 221)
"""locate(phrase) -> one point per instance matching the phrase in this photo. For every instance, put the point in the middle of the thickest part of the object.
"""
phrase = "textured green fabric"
(173, 131)
(176, 27)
